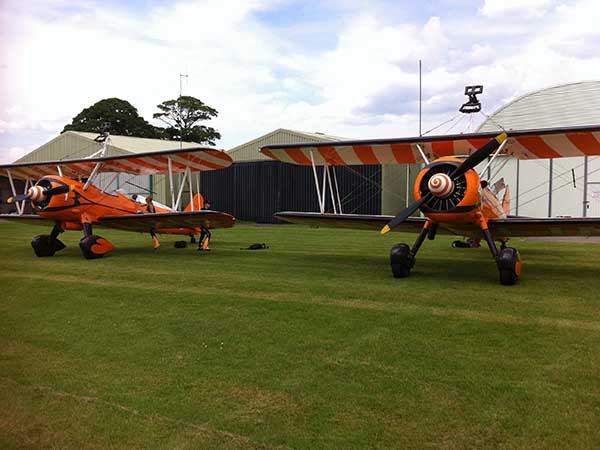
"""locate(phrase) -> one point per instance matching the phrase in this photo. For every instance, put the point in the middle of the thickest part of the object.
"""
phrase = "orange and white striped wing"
(197, 160)
(526, 144)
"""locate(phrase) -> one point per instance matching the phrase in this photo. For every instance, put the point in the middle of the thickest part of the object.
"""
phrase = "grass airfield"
(311, 344)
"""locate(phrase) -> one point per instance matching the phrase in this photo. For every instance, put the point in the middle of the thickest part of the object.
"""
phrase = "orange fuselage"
(80, 206)
(477, 205)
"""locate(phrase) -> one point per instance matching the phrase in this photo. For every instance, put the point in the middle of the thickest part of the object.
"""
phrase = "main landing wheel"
(93, 246)
(509, 266)
(44, 245)
(401, 260)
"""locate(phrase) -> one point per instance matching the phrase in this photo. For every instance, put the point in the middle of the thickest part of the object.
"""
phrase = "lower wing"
(353, 221)
(29, 219)
(509, 227)
(531, 226)
(165, 221)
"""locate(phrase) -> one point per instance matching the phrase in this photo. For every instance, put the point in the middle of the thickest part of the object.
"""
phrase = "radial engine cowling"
(458, 196)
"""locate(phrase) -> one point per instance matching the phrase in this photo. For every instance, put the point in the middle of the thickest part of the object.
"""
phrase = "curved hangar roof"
(566, 105)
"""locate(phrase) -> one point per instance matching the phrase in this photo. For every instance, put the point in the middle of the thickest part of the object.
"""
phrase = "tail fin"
(197, 201)
(506, 201)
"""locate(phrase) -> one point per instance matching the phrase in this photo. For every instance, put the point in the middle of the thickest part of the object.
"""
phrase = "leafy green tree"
(183, 116)
(123, 118)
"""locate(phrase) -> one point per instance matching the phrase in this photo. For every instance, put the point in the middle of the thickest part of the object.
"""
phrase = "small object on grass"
(180, 244)
(256, 246)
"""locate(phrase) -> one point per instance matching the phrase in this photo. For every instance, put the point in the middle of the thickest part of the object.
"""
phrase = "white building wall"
(573, 104)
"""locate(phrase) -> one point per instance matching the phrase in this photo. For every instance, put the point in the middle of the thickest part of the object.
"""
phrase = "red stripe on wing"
(403, 153)
(298, 155)
(330, 155)
(585, 142)
(538, 147)
(366, 154)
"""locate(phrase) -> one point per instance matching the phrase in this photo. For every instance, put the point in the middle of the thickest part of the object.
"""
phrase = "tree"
(182, 117)
(123, 118)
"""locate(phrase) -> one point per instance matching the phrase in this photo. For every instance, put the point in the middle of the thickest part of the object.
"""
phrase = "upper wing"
(196, 159)
(525, 144)
(161, 221)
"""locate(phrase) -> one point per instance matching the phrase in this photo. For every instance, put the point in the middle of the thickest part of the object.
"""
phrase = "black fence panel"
(254, 191)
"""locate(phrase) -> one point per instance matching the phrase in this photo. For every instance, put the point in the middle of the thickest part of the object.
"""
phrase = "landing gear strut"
(402, 257)
(507, 259)
(93, 246)
(48, 244)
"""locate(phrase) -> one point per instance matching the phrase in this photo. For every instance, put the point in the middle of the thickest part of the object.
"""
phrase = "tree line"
(182, 118)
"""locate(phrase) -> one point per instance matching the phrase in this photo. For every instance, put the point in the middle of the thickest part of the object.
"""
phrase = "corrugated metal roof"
(78, 144)
(564, 105)
(249, 150)
(137, 144)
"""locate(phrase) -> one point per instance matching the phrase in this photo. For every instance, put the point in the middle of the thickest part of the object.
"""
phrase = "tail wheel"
(93, 246)
(509, 266)
(401, 260)
(44, 245)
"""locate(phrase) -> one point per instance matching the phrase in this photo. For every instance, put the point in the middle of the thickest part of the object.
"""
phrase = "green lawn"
(311, 344)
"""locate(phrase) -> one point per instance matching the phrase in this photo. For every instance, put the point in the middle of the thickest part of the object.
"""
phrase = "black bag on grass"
(256, 247)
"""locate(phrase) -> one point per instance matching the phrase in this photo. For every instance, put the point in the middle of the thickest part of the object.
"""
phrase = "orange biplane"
(65, 195)
(448, 190)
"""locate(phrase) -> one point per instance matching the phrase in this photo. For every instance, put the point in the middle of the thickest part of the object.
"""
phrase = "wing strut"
(312, 160)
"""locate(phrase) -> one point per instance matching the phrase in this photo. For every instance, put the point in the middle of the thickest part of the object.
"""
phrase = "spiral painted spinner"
(36, 193)
(440, 185)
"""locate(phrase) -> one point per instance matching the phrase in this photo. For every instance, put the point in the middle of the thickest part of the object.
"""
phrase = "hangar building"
(551, 187)
(255, 187)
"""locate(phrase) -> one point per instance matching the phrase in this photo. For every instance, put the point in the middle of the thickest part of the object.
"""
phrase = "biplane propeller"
(85, 206)
(442, 186)
(448, 190)
(39, 193)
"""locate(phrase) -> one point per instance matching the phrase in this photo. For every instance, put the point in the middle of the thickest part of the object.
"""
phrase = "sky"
(340, 67)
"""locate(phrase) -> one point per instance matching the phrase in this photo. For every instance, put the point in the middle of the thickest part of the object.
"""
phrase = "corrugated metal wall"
(254, 191)
(250, 150)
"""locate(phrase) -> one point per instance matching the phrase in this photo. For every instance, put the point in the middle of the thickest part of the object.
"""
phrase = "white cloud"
(514, 9)
(61, 60)
(11, 154)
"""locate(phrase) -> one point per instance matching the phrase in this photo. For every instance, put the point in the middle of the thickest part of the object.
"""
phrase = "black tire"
(401, 260)
(85, 244)
(509, 266)
(43, 246)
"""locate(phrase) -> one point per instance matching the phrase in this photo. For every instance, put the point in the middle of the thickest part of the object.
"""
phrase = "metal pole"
(420, 96)
(191, 187)
(517, 198)
(312, 159)
(170, 164)
(337, 190)
(407, 183)
(550, 176)
(325, 172)
(180, 190)
(331, 191)
(180, 94)
(585, 185)
(198, 186)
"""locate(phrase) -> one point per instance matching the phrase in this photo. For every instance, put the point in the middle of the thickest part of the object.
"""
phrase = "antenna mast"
(181, 77)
